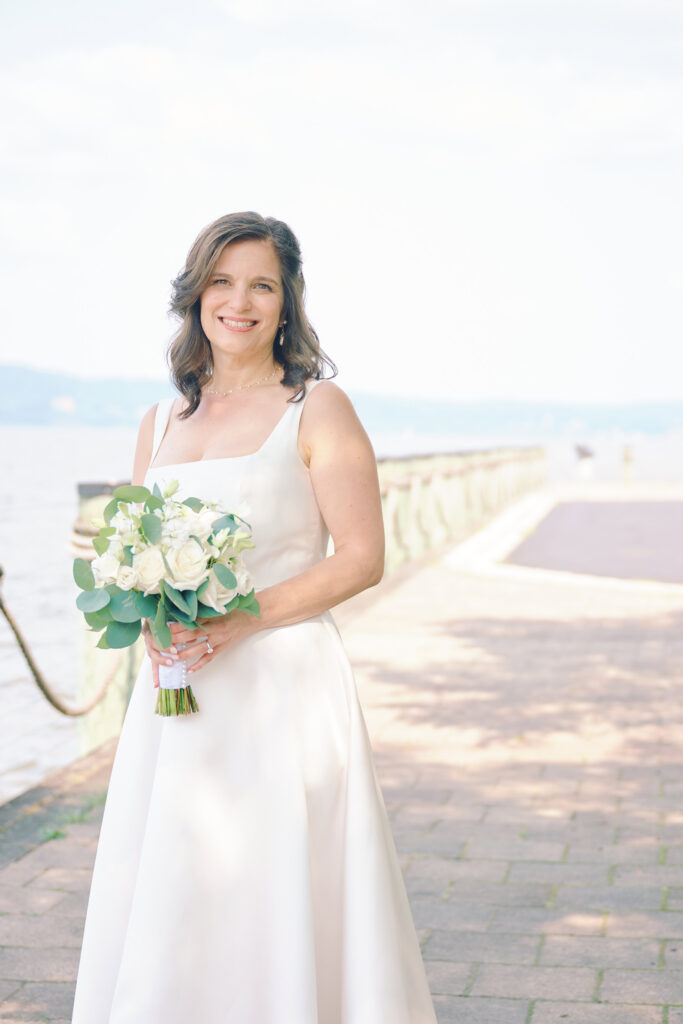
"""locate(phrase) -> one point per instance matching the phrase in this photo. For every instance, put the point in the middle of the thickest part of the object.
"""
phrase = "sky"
(487, 192)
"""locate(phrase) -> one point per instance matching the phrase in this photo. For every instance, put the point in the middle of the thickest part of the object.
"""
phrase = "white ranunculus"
(127, 577)
(187, 563)
(150, 568)
(106, 566)
(126, 527)
(216, 596)
(203, 523)
(178, 529)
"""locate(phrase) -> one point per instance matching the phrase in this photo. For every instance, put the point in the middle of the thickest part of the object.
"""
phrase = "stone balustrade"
(430, 500)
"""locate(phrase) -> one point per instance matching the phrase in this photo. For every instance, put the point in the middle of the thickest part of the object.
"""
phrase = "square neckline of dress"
(220, 458)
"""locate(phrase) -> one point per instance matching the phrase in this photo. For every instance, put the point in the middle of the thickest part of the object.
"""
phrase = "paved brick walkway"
(527, 728)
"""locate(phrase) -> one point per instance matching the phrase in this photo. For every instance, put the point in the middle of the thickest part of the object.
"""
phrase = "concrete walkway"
(528, 732)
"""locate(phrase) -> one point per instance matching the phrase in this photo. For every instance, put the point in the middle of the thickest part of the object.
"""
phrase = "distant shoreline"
(39, 398)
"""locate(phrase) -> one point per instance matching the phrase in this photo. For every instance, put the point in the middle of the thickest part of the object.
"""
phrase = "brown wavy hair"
(189, 353)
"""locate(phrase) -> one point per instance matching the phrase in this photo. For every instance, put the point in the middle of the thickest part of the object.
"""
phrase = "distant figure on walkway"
(585, 456)
(246, 872)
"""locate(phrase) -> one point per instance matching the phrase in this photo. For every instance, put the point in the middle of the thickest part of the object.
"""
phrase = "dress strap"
(161, 420)
(299, 406)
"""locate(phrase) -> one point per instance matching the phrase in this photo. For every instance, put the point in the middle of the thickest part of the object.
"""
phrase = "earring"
(282, 333)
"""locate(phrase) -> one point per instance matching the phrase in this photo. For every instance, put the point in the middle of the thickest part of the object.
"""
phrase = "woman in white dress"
(246, 872)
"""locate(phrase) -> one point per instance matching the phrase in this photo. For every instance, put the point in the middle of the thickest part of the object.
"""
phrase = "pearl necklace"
(240, 387)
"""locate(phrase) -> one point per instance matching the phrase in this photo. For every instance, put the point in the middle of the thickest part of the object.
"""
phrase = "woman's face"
(241, 305)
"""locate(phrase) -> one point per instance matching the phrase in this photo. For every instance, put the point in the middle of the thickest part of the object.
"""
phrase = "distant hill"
(35, 397)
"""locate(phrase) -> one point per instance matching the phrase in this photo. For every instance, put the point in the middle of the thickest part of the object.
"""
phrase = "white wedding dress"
(246, 872)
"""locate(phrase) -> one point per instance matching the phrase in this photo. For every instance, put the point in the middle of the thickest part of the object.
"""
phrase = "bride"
(246, 872)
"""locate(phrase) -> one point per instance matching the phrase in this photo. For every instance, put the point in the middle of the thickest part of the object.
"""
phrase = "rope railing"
(39, 679)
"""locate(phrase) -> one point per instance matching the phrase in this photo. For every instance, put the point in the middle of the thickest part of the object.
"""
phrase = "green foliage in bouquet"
(117, 611)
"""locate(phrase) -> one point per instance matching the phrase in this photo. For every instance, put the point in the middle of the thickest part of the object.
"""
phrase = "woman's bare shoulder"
(327, 394)
(143, 451)
(328, 418)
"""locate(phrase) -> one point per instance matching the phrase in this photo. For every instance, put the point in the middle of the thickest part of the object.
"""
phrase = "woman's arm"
(343, 472)
(143, 450)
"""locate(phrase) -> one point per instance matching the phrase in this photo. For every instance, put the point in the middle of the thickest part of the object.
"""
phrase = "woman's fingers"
(157, 656)
(204, 660)
(196, 643)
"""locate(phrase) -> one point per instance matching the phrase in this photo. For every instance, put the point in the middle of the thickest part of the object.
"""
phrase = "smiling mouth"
(237, 325)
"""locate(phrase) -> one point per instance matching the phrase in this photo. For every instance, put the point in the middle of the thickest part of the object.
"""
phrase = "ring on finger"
(209, 648)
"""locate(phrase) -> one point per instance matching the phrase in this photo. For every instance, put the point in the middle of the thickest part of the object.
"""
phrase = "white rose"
(106, 566)
(216, 596)
(127, 577)
(245, 583)
(150, 569)
(187, 563)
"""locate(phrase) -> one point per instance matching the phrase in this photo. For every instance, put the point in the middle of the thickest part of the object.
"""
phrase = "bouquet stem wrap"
(174, 694)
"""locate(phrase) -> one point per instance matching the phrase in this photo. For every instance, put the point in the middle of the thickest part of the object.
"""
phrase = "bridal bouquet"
(166, 561)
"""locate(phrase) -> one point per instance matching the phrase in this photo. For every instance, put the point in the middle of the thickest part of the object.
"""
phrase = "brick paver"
(526, 728)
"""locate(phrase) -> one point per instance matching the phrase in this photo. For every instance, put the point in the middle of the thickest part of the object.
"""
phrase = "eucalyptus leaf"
(160, 631)
(83, 574)
(202, 587)
(194, 503)
(131, 492)
(177, 598)
(146, 604)
(205, 612)
(151, 525)
(153, 503)
(160, 618)
(100, 544)
(123, 607)
(191, 602)
(107, 531)
(128, 555)
(98, 620)
(223, 523)
(224, 575)
(163, 637)
(122, 634)
(92, 600)
(156, 491)
(102, 643)
(110, 510)
(250, 605)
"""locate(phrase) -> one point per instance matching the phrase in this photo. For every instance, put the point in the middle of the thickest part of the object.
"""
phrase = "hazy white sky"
(487, 192)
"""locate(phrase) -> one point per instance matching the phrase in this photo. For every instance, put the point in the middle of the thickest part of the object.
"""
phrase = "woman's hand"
(221, 632)
(157, 657)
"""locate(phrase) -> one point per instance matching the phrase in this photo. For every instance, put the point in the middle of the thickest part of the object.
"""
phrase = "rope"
(43, 686)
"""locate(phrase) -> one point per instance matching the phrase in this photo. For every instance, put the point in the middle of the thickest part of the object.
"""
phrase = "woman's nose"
(240, 297)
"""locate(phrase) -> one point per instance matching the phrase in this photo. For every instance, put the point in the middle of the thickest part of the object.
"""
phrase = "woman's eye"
(220, 280)
(262, 284)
